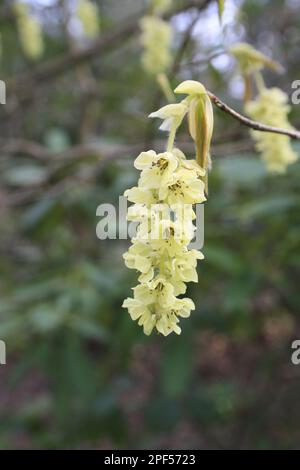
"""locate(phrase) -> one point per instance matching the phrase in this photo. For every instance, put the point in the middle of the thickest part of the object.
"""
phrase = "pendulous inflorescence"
(87, 12)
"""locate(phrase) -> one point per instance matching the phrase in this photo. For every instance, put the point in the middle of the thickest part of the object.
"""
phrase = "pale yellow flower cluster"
(30, 31)
(156, 39)
(161, 6)
(88, 14)
(168, 186)
(270, 107)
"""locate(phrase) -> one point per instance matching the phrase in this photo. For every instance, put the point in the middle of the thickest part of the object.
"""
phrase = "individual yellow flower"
(182, 269)
(184, 266)
(141, 312)
(139, 256)
(139, 195)
(156, 39)
(157, 171)
(271, 108)
(185, 187)
(170, 238)
(88, 14)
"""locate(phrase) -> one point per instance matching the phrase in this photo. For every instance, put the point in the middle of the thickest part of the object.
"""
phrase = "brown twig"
(23, 88)
(294, 134)
(80, 152)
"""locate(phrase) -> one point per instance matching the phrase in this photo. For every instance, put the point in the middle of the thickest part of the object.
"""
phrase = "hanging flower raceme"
(156, 40)
(88, 14)
(163, 204)
(30, 31)
(270, 107)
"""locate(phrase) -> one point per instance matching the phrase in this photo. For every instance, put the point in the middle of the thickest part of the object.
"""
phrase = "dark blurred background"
(79, 372)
